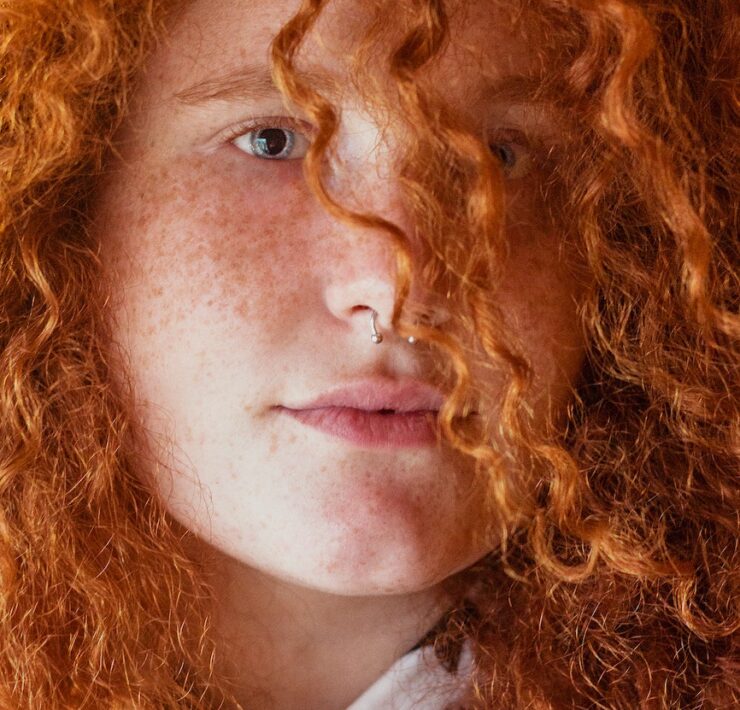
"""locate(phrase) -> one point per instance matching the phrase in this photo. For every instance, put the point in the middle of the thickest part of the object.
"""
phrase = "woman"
(368, 354)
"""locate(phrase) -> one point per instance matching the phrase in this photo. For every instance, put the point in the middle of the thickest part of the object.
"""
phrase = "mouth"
(381, 428)
(373, 412)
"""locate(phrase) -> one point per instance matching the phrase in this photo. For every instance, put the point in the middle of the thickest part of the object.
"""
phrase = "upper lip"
(373, 394)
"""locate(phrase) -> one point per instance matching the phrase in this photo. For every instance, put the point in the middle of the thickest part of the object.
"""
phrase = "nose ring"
(376, 336)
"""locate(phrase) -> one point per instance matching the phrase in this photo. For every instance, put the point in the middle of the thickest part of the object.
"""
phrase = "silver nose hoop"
(376, 336)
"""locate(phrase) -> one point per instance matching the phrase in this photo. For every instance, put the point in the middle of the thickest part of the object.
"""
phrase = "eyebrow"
(243, 83)
(254, 82)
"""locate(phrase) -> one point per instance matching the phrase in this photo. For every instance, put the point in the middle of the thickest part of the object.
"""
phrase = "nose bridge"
(367, 167)
(362, 182)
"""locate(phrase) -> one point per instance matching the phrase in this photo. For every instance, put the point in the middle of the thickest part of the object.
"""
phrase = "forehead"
(224, 45)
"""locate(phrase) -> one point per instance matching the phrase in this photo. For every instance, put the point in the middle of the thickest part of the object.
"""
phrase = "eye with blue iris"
(513, 153)
(272, 143)
(505, 153)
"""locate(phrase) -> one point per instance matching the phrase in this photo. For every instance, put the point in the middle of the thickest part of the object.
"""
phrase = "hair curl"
(615, 584)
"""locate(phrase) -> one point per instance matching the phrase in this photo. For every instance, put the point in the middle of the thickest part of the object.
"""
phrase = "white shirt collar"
(417, 681)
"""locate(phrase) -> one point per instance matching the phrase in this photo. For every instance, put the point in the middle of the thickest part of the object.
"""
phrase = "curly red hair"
(614, 583)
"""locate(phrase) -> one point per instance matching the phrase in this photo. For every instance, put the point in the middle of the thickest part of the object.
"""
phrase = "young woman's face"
(239, 299)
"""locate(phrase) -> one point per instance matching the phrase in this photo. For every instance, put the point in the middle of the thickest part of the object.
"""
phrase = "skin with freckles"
(235, 294)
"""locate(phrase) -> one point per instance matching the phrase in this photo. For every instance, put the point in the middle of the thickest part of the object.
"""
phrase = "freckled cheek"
(256, 256)
(201, 236)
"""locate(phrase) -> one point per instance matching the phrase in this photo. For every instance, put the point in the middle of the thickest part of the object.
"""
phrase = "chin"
(363, 582)
(386, 546)
(365, 567)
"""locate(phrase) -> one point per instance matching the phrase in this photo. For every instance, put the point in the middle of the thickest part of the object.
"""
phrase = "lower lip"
(370, 429)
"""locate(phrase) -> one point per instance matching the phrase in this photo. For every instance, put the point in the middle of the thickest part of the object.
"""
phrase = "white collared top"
(417, 681)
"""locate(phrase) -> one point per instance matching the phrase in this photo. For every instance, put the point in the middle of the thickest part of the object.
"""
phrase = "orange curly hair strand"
(614, 580)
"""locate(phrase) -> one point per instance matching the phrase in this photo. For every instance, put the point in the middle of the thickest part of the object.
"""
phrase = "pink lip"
(374, 412)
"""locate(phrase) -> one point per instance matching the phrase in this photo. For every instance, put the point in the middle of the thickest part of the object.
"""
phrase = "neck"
(288, 646)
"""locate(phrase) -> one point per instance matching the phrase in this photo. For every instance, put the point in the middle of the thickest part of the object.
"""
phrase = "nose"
(360, 289)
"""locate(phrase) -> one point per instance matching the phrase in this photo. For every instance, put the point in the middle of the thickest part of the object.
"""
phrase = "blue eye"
(272, 143)
(505, 153)
(513, 156)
